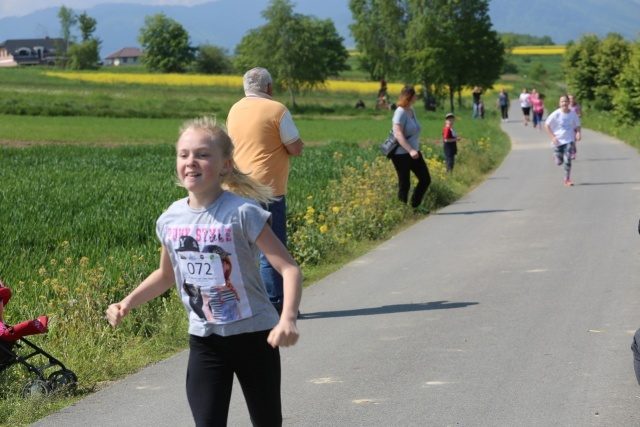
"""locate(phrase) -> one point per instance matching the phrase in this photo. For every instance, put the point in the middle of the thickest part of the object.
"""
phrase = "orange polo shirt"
(253, 124)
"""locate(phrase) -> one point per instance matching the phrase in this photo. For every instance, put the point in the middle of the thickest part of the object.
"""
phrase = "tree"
(165, 44)
(67, 20)
(299, 51)
(581, 68)
(526, 39)
(212, 60)
(436, 42)
(613, 54)
(509, 40)
(84, 55)
(87, 26)
(450, 42)
(626, 101)
(378, 29)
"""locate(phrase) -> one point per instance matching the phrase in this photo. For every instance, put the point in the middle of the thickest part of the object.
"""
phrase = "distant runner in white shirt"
(525, 103)
(563, 125)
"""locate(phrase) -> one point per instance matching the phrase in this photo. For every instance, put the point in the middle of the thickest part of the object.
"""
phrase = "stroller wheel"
(61, 379)
(35, 388)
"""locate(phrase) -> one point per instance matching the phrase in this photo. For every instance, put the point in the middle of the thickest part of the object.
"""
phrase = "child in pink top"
(538, 110)
(575, 107)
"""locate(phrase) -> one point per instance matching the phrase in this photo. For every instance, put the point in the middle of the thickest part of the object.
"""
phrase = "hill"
(565, 20)
(225, 22)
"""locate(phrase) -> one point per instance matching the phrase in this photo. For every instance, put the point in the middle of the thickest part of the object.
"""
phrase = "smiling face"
(200, 167)
(564, 104)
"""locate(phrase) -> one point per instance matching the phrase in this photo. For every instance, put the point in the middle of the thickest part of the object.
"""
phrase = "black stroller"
(50, 376)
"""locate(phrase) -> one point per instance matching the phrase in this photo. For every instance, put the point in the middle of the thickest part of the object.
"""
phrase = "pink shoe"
(568, 183)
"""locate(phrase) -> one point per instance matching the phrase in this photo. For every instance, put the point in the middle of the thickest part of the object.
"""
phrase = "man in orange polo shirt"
(264, 136)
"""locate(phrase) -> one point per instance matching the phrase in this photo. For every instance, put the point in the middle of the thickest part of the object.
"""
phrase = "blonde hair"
(235, 181)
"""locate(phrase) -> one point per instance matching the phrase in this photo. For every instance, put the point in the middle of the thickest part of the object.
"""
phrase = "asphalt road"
(515, 306)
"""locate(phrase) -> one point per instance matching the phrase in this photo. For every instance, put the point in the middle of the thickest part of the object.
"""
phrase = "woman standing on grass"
(408, 157)
(245, 344)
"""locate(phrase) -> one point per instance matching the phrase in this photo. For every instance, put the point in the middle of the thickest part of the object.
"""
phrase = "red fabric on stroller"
(28, 327)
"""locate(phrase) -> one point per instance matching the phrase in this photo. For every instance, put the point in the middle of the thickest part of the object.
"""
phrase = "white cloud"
(24, 7)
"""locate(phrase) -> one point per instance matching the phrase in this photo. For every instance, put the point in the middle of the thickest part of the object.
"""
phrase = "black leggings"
(212, 362)
(504, 109)
(404, 165)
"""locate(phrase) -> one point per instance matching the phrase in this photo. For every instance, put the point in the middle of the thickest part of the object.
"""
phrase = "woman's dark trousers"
(404, 165)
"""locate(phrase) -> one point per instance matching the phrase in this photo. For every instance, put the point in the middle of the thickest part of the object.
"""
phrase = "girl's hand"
(285, 334)
(115, 314)
(414, 154)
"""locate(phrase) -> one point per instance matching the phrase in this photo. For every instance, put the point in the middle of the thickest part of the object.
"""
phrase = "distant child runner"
(202, 235)
(563, 125)
(537, 103)
(525, 104)
(450, 140)
(15, 332)
(575, 107)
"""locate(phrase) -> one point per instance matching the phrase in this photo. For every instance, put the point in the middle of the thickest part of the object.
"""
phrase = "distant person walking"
(575, 107)
(525, 104)
(264, 136)
(408, 157)
(477, 93)
(503, 104)
(563, 126)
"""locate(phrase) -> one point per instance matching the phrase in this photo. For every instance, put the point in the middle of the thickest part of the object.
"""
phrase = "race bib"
(202, 269)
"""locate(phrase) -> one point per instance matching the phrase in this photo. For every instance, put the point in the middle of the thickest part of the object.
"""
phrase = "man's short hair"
(256, 79)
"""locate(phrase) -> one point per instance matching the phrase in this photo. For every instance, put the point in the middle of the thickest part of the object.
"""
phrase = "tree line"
(605, 74)
(446, 45)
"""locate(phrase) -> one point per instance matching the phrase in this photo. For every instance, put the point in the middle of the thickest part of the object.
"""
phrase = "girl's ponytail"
(243, 185)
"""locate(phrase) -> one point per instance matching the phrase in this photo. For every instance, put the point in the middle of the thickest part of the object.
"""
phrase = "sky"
(24, 7)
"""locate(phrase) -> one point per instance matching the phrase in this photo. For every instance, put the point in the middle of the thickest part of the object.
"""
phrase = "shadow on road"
(608, 183)
(478, 212)
(388, 309)
(605, 160)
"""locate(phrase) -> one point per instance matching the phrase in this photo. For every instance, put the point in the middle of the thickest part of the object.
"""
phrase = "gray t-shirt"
(411, 128)
(215, 262)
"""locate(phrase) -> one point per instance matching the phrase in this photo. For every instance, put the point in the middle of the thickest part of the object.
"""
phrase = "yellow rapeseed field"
(539, 50)
(152, 79)
(227, 81)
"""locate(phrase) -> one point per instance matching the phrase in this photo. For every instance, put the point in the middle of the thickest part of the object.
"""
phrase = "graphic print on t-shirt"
(206, 257)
